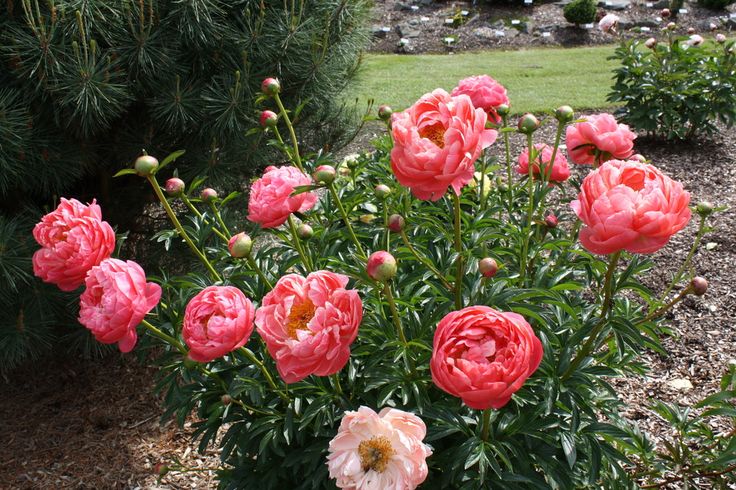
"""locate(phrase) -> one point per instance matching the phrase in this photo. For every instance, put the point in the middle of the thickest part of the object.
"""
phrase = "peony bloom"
(74, 239)
(116, 299)
(308, 324)
(271, 201)
(599, 133)
(560, 171)
(436, 144)
(484, 92)
(218, 320)
(609, 22)
(630, 206)
(483, 356)
(379, 451)
(695, 40)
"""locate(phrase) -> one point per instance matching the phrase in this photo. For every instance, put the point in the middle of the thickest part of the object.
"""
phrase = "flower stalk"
(269, 379)
(294, 141)
(298, 245)
(346, 220)
(459, 249)
(426, 262)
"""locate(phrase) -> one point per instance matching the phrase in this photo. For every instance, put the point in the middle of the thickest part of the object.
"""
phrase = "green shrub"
(676, 90)
(580, 12)
(715, 4)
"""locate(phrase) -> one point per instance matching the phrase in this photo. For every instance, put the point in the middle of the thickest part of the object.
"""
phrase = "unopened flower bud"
(699, 285)
(270, 86)
(324, 174)
(487, 267)
(145, 165)
(638, 158)
(304, 231)
(269, 119)
(240, 245)
(664, 13)
(160, 469)
(720, 38)
(385, 112)
(396, 223)
(382, 191)
(691, 30)
(528, 123)
(551, 221)
(381, 266)
(226, 399)
(208, 195)
(704, 209)
(503, 110)
(671, 26)
(713, 27)
(367, 219)
(650, 43)
(564, 114)
(174, 187)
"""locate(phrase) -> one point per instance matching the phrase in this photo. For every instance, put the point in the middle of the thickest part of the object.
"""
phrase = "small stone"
(680, 384)
(711, 246)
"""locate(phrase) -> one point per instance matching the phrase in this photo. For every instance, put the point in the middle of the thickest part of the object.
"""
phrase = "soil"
(448, 27)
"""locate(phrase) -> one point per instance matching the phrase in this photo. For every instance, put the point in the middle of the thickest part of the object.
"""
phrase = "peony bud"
(208, 195)
(269, 119)
(384, 112)
(704, 209)
(664, 13)
(551, 221)
(487, 267)
(699, 285)
(382, 191)
(324, 174)
(695, 40)
(396, 223)
(564, 114)
(174, 187)
(720, 38)
(304, 231)
(691, 30)
(145, 165)
(226, 399)
(528, 123)
(650, 43)
(240, 245)
(367, 219)
(671, 26)
(160, 469)
(638, 158)
(271, 86)
(713, 27)
(503, 110)
(381, 266)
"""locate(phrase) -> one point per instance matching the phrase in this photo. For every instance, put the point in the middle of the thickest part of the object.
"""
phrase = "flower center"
(375, 453)
(299, 317)
(434, 133)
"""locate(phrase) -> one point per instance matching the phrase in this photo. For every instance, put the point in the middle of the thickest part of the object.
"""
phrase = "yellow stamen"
(375, 453)
(299, 317)
(435, 133)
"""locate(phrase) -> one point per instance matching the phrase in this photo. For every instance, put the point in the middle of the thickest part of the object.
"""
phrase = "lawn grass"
(536, 79)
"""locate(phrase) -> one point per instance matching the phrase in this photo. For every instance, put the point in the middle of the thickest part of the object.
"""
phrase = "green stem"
(252, 357)
(661, 311)
(484, 164)
(219, 218)
(253, 265)
(295, 143)
(606, 308)
(459, 249)
(509, 174)
(163, 336)
(530, 212)
(548, 171)
(397, 323)
(486, 424)
(298, 245)
(427, 263)
(386, 231)
(345, 218)
(200, 216)
(338, 388)
(678, 275)
(180, 229)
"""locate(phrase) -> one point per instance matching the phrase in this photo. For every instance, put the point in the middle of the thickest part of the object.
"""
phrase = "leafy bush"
(678, 89)
(715, 4)
(580, 12)
(548, 322)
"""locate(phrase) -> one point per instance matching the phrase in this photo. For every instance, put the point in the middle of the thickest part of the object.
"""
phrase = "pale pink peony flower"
(116, 299)
(695, 40)
(484, 356)
(436, 144)
(485, 93)
(271, 201)
(630, 206)
(560, 171)
(308, 324)
(218, 320)
(74, 239)
(381, 451)
(599, 133)
(609, 22)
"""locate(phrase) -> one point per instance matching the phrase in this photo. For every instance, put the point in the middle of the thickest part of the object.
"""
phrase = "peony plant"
(423, 316)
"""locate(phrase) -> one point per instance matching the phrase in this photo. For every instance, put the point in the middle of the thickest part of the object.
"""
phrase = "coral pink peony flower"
(609, 22)
(74, 239)
(271, 201)
(379, 451)
(483, 356)
(560, 171)
(308, 324)
(599, 133)
(630, 206)
(116, 299)
(485, 93)
(218, 320)
(436, 144)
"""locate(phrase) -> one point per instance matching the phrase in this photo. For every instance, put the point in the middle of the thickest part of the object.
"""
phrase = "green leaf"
(125, 171)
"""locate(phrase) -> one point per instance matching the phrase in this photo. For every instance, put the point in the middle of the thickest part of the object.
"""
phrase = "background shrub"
(715, 4)
(580, 12)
